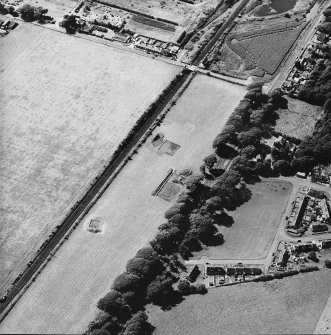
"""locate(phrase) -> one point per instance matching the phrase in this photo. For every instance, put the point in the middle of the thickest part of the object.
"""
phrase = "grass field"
(65, 294)
(255, 223)
(291, 305)
(66, 104)
(298, 119)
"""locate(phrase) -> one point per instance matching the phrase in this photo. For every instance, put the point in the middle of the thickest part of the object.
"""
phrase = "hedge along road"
(96, 189)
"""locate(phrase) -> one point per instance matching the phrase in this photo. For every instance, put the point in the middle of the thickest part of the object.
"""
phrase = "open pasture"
(66, 104)
(255, 223)
(64, 296)
(291, 305)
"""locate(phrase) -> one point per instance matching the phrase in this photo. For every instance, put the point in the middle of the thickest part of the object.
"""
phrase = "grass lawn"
(299, 119)
(255, 223)
(65, 294)
(291, 305)
(66, 104)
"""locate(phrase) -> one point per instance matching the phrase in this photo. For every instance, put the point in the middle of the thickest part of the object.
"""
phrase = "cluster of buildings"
(109, 26)
(218, 275)
(155, 46)
(310, 211)
(321, 174)
(304, 65)
(6, 26)
(290, 255)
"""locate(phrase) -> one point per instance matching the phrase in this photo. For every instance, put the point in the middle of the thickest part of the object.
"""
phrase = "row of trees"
(316, 148)
(318, 87)
(32, 13)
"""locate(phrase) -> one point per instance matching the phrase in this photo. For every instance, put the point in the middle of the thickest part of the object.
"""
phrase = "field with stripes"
(66, 104)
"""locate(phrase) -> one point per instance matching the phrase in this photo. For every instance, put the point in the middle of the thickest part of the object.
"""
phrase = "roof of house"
(215, 270)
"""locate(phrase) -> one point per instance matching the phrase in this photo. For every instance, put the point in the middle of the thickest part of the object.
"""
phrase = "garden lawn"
(255, 223)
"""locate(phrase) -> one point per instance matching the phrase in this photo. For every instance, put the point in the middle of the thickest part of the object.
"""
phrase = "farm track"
(83, 206)
(84, 203)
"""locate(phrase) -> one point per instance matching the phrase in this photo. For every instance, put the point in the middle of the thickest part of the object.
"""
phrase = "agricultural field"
(298, 119)
(263, 49)
(291, 305)
(64, 110)
(64, 296)
(255, 223)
